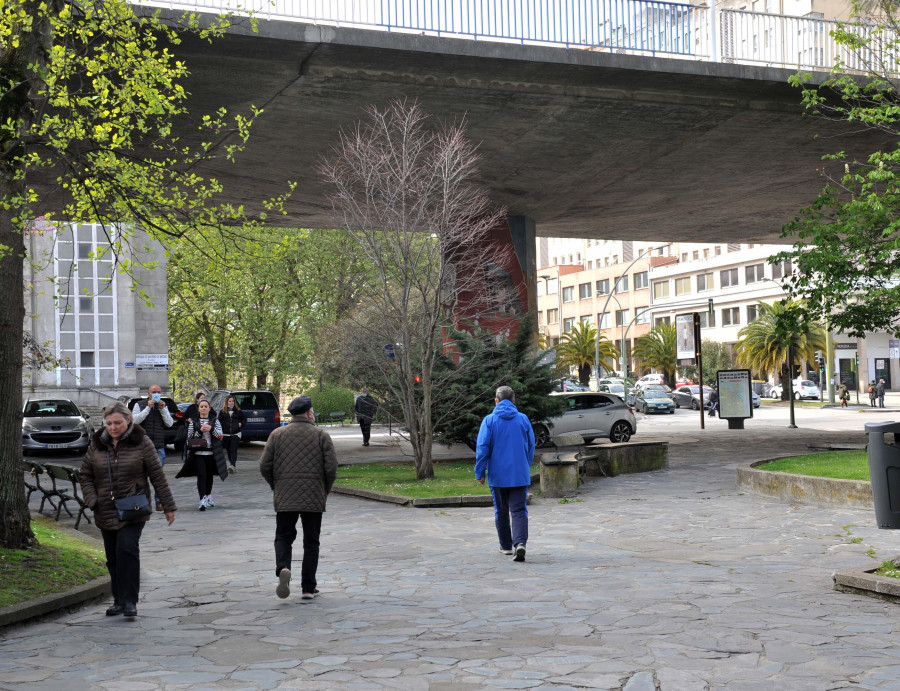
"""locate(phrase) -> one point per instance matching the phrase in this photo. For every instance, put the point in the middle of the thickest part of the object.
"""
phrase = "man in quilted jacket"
(300, 465)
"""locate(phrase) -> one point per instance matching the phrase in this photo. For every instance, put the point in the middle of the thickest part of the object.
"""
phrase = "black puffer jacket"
(134, 464)
(189, 469)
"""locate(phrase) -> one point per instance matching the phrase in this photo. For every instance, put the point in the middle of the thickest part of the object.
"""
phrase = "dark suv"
(260, 410)
(174, 411)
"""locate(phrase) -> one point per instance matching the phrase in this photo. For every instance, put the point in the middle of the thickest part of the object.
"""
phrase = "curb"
(53, 603)
(805, 489)
(863, 581)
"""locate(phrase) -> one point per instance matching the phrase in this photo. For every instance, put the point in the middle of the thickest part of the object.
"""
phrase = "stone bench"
(560, 470)
(620, 459)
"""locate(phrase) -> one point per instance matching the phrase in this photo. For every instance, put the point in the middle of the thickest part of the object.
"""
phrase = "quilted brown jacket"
(300, 465)
(135, 465)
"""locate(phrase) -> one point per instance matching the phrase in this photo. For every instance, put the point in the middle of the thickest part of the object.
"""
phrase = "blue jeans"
(511, 501)
(162, 461)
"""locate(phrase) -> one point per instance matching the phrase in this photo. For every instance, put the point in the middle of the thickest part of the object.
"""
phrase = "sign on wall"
(156, 362)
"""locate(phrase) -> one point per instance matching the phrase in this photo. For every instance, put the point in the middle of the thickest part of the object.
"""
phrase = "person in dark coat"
(153, 415)
(204, 462)
(300, 465)
(879, 391)
(231, 417)
(121, 462)
(365, 407)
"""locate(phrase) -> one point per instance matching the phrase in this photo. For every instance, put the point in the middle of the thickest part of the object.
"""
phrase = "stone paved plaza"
(669, 580)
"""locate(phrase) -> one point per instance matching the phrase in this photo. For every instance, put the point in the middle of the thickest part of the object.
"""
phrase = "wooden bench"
(48, 493)
(67, 474)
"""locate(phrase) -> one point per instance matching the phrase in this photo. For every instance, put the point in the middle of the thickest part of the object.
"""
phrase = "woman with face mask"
(232, 420)
(205, 456)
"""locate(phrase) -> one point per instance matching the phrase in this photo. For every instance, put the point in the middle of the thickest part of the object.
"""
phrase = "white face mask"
(230, 407)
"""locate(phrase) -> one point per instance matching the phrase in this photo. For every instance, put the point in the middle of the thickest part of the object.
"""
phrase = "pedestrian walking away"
(504, 454)
(879, 391)
(872, 395)
(204, 455)
(300, 465)
(365, 407)
(122, 462)
(231, 418)
(843, 394)
(153, 416)
(713, 401)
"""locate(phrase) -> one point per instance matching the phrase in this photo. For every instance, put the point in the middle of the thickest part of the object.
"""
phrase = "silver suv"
(592, 415)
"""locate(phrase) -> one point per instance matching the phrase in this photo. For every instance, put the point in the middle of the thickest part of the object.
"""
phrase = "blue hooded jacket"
(505, 447)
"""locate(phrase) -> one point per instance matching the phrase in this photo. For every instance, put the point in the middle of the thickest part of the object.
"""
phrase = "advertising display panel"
(735, 393)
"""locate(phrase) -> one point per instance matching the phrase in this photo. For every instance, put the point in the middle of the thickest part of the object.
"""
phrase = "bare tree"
(404, 193)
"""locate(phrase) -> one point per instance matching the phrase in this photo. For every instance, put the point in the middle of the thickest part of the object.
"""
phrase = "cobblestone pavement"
(669, 580)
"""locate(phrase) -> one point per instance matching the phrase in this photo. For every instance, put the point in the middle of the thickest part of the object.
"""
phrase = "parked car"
(803, 389)
(756, 401)
(592, 415)
(653, 399)
(260, 409)
(175, 411)
(684, 381)
(567, 385)
(611, 380)
(54, 423)
(617, 389)
(651, 379)
(688, 396)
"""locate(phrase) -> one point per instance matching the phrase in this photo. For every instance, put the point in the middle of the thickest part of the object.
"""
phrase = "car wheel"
(695, 405)
(541, 435)
(620, 432)
(672, 411)
(677, 404)
(797, 396)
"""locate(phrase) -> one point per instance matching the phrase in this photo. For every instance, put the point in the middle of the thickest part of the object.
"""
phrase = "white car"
(592, 415)
(651, 379)
(803, 388)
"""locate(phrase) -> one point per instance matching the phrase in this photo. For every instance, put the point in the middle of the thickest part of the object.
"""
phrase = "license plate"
(56, 446)
(256, 419)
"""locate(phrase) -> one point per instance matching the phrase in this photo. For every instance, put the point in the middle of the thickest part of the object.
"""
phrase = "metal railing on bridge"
(644, 27)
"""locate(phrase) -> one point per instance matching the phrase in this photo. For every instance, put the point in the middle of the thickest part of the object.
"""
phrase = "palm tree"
(657, 350)
(578, 347)
(763, 345)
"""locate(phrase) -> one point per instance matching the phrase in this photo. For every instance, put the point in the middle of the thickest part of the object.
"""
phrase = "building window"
(590, 264)
(86, 359)
(586, 318)
(578, 257)
(717, 250)
(540, 318)
(568, 323)
(755, 272)
(622, 284)
(661, 289)
(553, 316)
(683, 285)
(584, 291)
(695, 255)
(707, 319)
(603, 287)
(684, 256)
(704, 282)
(621, 317)
(752, 313)
(641, 280)
(731, 316)
(781, 269)
(728, 277)
(603, 320)
(706, 253)
(662, 320)
(568, 293)
(642, 315)
(85, 304)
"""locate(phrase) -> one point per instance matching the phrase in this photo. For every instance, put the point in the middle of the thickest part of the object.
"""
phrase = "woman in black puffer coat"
(207, 461)
(121, 462)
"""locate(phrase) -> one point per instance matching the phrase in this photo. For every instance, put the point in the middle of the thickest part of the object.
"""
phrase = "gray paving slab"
(666, 580)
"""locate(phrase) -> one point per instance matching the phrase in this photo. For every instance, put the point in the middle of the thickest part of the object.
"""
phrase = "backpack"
(871, 389)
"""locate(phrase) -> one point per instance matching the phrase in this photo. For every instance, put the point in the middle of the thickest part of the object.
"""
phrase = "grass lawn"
(57, 563)
(843, 465)
(450, 479)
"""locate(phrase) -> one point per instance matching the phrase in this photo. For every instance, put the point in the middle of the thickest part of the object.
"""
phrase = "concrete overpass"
(585, 143)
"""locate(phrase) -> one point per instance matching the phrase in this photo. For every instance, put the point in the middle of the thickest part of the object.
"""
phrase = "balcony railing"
(645, 27)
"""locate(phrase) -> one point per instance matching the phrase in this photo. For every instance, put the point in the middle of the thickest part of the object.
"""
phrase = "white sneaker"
(505, 551)
(282, 590)
(202, 506)
(209, 502)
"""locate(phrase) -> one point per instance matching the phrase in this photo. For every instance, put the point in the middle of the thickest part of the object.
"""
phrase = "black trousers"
(366, 427)
(123, 561)
(286, 533)
(231, 442)
(206, 471)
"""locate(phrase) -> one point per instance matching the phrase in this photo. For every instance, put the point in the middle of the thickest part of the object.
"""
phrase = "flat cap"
(300, 405)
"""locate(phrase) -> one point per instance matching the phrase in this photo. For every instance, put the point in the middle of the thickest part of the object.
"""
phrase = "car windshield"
(807, 383)
(654, 389)
(51, 409)
(696, 389)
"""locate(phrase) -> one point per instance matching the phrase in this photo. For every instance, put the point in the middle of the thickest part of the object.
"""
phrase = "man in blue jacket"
(504, 453)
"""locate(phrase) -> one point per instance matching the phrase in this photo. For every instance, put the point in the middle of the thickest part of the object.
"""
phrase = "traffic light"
(795, 371)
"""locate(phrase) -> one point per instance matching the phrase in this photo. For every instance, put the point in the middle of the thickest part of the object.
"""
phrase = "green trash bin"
(884, 472)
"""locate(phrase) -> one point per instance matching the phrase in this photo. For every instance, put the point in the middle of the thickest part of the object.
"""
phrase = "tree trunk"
(15, 520)
(584, 374)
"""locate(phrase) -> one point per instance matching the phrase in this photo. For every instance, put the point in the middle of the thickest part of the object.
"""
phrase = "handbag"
(131, 508)
(197, 443)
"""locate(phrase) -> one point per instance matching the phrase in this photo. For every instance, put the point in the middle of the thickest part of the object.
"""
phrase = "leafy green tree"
(89, 96)
(716, 356)
(578, 348)
(657, 351)
(764, 344)
(482, 364)
(845, 254)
